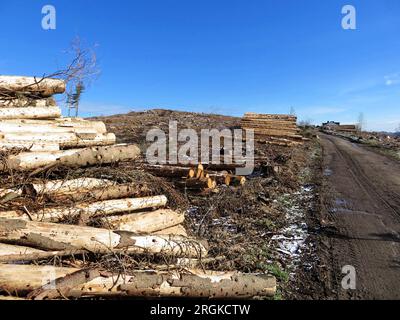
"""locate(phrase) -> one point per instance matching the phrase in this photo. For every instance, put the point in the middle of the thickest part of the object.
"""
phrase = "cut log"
(199, 171)
(51, 236)
(178, 230)
(222, 177)
(237, 180)
(71, 158)
(8, 249)
(90, 210)
(170, 171)
(23, 279)
(60, 187)
(28, 146)
(27, 102)
(38, 255)
(64, 139)
(104, 193)
(44, 87)
(144, 222)
(54, 125)
(30, 113)
(198, 184)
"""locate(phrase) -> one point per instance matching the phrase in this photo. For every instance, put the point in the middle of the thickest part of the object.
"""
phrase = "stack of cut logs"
(200, 177)
(273, 129)
(105, 218)
(349, 128)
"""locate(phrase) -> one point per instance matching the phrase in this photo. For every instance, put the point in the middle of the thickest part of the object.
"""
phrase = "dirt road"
(363, 202)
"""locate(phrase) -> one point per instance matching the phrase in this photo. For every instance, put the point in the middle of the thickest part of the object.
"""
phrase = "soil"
(358, 223)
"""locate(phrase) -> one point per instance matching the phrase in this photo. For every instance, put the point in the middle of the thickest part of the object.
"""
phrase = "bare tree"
(361, 122)
(78, 75)
(292, 111)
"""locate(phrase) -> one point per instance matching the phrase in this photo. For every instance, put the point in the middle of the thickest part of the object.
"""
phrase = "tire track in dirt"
(364, 206)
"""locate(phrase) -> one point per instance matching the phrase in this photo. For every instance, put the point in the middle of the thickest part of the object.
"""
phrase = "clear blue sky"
(221, 56)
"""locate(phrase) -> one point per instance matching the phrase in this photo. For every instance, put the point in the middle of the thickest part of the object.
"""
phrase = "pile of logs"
(348, 128)
(91, 216)
(199, 177)
(273, 129)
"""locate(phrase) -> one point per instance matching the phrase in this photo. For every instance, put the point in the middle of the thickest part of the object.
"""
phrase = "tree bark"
(144, 222)
(27, 102)
(54, 125)
(44, 87)
(30, 113)
(71, 158)
(64, 139)
(90, 210)
(191, 283)
(51, 236)
(8, 249)
(61, 187)
(28, 146)
(104, 193)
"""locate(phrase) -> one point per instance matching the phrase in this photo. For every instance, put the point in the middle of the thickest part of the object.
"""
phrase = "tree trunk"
(8, 249)
(71, 158)
(54, 125)
(23, 279)
(30, 113)
(64, 139)
(51, 236)
(23, 146)
(144, 222)
(198, 184)
(90, 210)
(170, 171)
(61, 187)
(27, 102)
(104, 193)
(36, 86)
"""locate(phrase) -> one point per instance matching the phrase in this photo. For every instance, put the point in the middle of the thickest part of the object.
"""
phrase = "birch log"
(8, 249)
(59, 187)
(52, 236)
(23, 279)
(30, 113)
(89, 210)
(64, 139)
(145, 222)
(44, 87)
(27, 102)
(54, 125)
(28, 146)
(71, 158)
(104, 193)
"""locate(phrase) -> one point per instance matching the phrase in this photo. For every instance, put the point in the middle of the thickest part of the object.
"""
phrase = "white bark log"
(56, 187)
(36, 86)
(52, 236)
(23, 279)
(8, 249)
(145, 222)
(107, 207)
(30, 113)
(65, 140)
(73, 158)
(27, 102)
(54, 125)
(28, 146)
